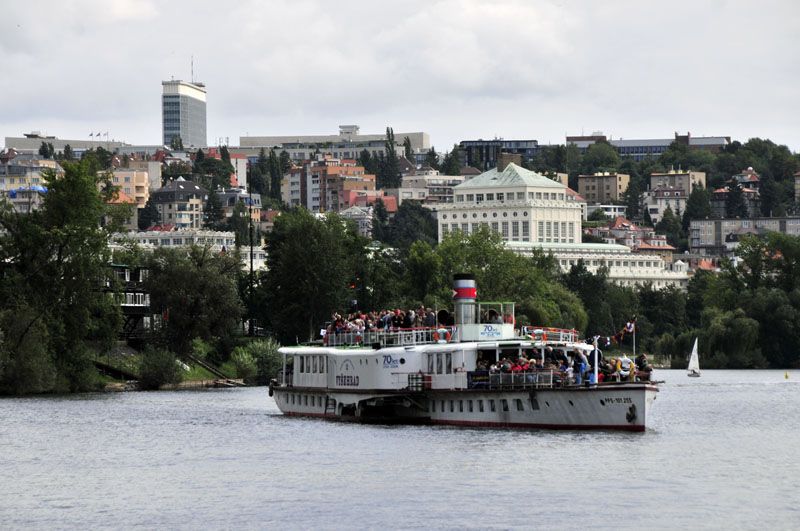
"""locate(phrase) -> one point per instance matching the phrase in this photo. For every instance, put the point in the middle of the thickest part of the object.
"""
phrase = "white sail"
(694, 361)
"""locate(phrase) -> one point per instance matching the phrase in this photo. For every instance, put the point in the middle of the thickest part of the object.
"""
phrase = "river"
(722, 451)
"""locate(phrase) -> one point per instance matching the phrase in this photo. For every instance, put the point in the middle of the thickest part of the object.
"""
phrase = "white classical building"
(533, 212)
(217, 241)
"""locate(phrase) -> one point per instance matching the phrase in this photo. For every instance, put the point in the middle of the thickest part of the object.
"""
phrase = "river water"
(722, 452)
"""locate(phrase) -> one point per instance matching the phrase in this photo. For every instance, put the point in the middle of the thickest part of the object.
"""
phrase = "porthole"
(494, 214)
(485, 214)
(514, 214)
(474, 215)
(525, 214)
(444, 216)
(505, 214)
(464, 215)
(402, 361)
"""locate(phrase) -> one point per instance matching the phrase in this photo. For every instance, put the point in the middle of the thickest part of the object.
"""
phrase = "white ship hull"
(623, 406)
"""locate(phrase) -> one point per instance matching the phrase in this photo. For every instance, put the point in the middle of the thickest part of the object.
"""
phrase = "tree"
(258, 174)
(633, 197)
(380, 222)
(423, 270)
(600, 156)
(52, 264)
(698, 206)
(148, 216)
(389, 172)
(195, 292)
(670, 225)
(407, 151)
(239, 223)
(68, 153)
(451, 164)
(735, 207)
(276, 173)
(300, 289)
(224, 154)
(214, 215)
(432, 159)
(176, 143)
(597, 215)
(413, 222)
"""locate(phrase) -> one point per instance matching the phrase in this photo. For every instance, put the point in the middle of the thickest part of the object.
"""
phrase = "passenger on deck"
(494, 317)
(643, 368)
(625, 367)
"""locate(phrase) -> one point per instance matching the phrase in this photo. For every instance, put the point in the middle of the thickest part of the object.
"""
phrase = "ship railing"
(394, 337)
(549, 334)
(518, 380)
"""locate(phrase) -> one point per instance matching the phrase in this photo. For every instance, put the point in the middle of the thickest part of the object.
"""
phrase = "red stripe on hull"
(482, 424)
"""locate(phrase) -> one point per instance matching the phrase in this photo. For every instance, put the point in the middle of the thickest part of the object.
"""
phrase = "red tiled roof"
(705, 265)
(121, 198)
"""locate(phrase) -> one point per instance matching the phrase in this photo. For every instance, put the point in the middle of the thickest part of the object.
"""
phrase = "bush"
(268, 359)
(201, 349)
(158, 367)
(244, 361)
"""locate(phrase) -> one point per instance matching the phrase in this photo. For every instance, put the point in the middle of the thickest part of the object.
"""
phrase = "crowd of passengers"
(574, 366)
(384, 320)
(397, 319)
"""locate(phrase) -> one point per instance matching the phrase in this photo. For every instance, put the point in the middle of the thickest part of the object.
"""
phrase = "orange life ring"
(446, 336)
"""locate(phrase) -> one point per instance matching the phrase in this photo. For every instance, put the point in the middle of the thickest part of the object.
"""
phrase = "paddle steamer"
(437, 376)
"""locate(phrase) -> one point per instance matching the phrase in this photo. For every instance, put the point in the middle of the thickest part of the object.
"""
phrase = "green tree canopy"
(53, 265)
(195, 291)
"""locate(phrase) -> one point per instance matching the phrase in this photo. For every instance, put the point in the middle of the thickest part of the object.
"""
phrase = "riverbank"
(118, 387)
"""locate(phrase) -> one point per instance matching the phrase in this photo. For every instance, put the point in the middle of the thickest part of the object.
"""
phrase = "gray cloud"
(457, 69)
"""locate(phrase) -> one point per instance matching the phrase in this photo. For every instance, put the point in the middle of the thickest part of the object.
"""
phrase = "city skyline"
(456, 70)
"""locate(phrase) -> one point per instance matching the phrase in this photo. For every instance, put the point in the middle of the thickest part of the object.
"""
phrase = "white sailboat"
(694, 363)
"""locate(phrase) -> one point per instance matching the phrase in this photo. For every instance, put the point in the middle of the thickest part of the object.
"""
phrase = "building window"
(479, 198)
(540, 232)
(465, 228)
(520, 196)
(526, 231)
(490, 197)
(505, 230)
(515, 230)
(500, 197)
(470, 198)
(495, 226)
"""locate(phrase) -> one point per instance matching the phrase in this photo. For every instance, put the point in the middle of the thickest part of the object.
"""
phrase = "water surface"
(721, 452)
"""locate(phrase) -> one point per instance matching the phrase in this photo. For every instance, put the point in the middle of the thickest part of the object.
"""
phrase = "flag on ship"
(630, 328)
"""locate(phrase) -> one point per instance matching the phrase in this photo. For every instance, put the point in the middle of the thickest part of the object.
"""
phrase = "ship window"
(480, 406)
(305, 400)
(519, 404)
(449, 362)
(302, 364)
(461, 406)
(504, 403)
(452, 407)
(292, 399)
(442, 404)
(430, 363)
(439, 363)
(534, 404)
(313, 364)
(492, 407)
(469, 405)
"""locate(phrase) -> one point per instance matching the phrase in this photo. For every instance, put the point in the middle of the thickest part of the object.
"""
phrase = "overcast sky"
(455, 69)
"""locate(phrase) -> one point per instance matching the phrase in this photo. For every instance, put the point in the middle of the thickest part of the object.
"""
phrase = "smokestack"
(465, 294)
